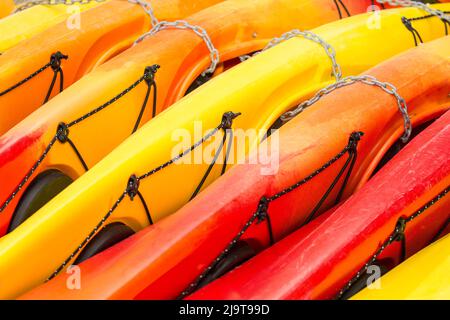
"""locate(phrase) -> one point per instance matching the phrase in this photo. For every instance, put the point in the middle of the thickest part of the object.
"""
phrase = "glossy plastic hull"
(317, 261)
(94, 37)
(162, 260)
(182, 56)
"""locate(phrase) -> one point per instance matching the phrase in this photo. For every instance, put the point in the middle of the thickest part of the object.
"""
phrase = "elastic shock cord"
(407, 22)
(262, 212)
(132, 189)
(62, 132)
(398, 235)
(55, 64)
(339, 2)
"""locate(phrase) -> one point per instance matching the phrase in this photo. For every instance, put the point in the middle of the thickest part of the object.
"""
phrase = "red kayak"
(320, 260)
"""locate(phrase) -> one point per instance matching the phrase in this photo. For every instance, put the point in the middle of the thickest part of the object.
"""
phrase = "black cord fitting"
(263, 208)
(408, 24)
(62, 132)
(400, 228)
(227, 119)
(133, 187)
(55, 60)
(355, 137)
(149, 73)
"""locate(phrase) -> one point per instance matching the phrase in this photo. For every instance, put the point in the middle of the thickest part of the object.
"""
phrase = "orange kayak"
(182, 56)
(165, 259)
(73, 49)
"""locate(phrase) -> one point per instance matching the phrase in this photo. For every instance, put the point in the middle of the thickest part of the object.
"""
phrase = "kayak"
(6, 7)
(163, 260)
(36, 70)
(404, 204)
(25, 24)
(182, 56)
(286, 63)
(424, 276)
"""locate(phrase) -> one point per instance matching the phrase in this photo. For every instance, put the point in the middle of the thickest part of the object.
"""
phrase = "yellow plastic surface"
(25, 24)
(424, 276)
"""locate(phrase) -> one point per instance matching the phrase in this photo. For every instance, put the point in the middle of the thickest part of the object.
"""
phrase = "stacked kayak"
(117, 101)
(401, 210)
(423, 276)
(246, 209)
(211, 149)
(35, 70)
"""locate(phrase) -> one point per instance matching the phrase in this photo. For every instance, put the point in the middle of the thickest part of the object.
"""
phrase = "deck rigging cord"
(397, 235)
(55, 64)
(57, 57)
(262, 212)
(409, 3)
(62, 131)
(408, 23)
(132, 188)
(339, 3)
(381, 4)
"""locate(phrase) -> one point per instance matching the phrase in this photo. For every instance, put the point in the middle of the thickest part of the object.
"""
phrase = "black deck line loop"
(149, 79)
(55, 64)
(263, 215)
(210, 167)
(416, 35)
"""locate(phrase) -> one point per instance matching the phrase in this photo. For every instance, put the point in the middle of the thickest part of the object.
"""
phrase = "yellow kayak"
(6, 7)
(261, 89)
(424, 276)
(27, 23)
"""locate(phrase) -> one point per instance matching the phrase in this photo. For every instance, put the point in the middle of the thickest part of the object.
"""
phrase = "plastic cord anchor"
(132, 187)
(263, 215)
(355, 137)
(62, 133)
(56, 59)
(263, 208)
(227, 119)
(400, 228)
(408, 24)
(149, 73)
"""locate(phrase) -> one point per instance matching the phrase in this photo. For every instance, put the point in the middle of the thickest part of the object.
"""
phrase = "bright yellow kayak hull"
(25, 24)
(261, 89)
(424, 276)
